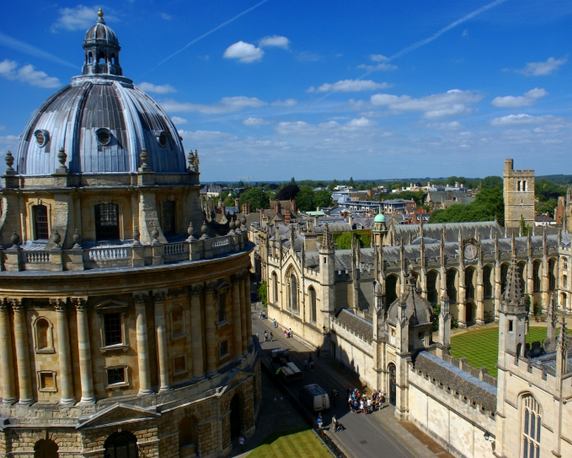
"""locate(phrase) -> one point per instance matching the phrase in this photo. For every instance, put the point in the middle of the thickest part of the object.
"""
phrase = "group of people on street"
(309, 362)
(268, 337)
(361, 403)
(288, 333)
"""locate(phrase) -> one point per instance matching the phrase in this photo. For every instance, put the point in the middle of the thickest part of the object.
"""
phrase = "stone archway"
(392, 394)
(469, 313)
(46, 448)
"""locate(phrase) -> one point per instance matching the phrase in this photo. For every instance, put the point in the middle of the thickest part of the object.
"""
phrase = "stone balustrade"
(100, 257)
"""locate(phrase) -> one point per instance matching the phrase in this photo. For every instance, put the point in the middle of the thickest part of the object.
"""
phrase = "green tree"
(256, 197)
(305, 199)
(263, 294)
(323, 198)
(487, 206)
(288, 192)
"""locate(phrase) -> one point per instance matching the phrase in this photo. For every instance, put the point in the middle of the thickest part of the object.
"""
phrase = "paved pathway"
(374, 435)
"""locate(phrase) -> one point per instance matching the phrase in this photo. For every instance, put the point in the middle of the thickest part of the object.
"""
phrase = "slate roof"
(417, 310)
(486, 229)
(459, 381)
(355, 324)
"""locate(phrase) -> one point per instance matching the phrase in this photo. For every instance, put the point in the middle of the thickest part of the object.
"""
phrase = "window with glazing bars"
(106, 222)
(531, 427)
(112, 329)
(40, 222)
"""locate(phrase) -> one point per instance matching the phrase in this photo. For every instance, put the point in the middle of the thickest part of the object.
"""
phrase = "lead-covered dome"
(101, 120)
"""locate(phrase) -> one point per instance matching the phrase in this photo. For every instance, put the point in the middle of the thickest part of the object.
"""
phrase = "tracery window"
(293, 290)
(469, 283)
(106, 222)
(40, 215)
(536, 265)
(487, 283)
(452, 285)
(531, 428)
(274, 288)
(432, 294)
(312, 295)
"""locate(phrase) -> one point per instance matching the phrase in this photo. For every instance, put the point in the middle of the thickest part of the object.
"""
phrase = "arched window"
(121, 445)
(536, 266)
(390, 289)
(43, 334)
(101, 58)
(168, 220)
(274, 288)
(90, 58)
(432, 294)
(531, 427)
(452, 285)
(293, 293)
(106, 222)
(522, 274)
(177, 321)
(312, 297)
(186, 435)
(487, 282)
(46, 448)
(470, 283)
(503, 276)
(551, 275)
(40, 215)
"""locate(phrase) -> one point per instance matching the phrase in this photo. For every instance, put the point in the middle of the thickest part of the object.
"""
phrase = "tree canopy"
(256, 197)
(288, 192)
(488, 204)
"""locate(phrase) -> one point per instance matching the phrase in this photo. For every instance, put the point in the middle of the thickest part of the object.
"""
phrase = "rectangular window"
(221, 306)
(224, 348)
(510, 326)
(40, 222)
(47, 381)
(106, 222)
(179, 364)
(168, 220)
(116, 376)
(112, 329)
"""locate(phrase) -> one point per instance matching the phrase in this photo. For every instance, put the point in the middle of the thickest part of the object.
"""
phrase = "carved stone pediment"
(118, 414)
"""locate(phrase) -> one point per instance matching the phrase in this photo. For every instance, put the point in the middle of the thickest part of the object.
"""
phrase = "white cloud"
(285, 103)
(9, 140)
(166, 16)
(244, 52)
(78, 18)
(381, 65)
(275, 40)
(522, 118)
(453, 102)
(378, 57)
(254, 122)
(178, 120)
(226, 105)
(27, 74)
(350, 86)
(520, 101)
(156, 89)
(302, 128)
(543, 68)
(453, 125)
(465, 33)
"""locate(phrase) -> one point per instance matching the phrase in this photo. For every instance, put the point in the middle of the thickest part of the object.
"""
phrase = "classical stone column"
(161, 332)
(197, 332)
(84, 350)
(237, 320)
(6, 356)
(22, 352)
(210, 329)
(142, 344)
(64, 355)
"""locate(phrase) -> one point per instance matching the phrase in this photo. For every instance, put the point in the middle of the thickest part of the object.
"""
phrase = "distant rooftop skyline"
(270, 90)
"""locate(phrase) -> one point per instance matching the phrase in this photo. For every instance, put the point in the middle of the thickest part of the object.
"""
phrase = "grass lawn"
(296, 443)
(481, 346)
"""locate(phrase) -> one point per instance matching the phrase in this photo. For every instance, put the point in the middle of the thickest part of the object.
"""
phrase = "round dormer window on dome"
(42, 137)
(103, 136)
(161, 137)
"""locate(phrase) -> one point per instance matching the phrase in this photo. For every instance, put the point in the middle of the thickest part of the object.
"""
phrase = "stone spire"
(327, 240)
(512, 295)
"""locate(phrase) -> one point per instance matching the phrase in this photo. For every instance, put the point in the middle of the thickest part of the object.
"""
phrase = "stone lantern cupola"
(101, 50)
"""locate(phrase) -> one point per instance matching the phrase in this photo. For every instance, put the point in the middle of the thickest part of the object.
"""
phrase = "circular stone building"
(125, 320)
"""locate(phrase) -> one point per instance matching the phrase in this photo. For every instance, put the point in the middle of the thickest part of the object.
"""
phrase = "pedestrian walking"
(271, 337)
(241, 443)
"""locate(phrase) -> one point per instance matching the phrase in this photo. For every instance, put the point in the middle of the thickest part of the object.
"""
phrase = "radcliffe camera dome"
(101, 120)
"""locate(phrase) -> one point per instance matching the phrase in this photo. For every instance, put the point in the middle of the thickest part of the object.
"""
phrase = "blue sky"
(321, 89)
